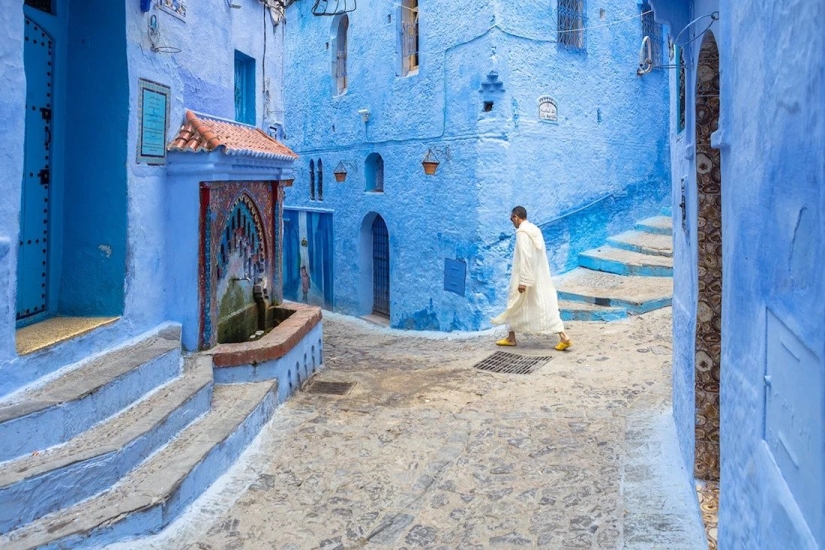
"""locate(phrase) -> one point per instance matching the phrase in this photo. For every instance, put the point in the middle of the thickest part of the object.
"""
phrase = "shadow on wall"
(590, 225)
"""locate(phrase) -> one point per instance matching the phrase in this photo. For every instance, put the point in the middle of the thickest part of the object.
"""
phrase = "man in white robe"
(532, 306)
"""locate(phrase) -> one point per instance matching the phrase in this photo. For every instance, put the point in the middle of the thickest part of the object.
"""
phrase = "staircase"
(120, 445)
(631, 273)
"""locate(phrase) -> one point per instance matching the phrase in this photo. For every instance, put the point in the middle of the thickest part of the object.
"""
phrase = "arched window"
(340, 26)
(374, 172)
(320, 180)
(312, 180)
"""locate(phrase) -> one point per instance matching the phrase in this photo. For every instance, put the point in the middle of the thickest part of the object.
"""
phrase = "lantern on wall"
(340, 172)
(430, 163)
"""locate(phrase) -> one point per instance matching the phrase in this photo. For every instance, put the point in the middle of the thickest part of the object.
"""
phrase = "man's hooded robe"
(536, 310)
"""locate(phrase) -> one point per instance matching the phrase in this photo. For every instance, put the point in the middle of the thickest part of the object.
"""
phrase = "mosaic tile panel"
(258, 211)
(708, 493)
(709, 236)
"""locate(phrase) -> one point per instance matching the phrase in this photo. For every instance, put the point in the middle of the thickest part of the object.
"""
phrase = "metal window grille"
(654, 31)
(380, 268)
(571, 24)
(312, 180)
(409, 35)
(341, 55)
(320, 180)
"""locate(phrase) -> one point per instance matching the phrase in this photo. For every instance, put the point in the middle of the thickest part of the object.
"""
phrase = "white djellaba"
(536, 310)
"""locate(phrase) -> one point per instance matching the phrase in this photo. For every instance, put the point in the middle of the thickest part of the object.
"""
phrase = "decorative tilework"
(708, 493)
(709, 236)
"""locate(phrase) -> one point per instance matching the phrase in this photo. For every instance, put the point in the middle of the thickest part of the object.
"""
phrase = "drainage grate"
(511, 363)
(330, 388)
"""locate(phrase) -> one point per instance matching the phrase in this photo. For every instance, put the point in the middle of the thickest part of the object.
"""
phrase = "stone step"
(582, 311)
(34, 485)
(74, 400)
(634, 293)
(667, 211)
(660, 225)
(157, 491)
(626, 262)
(644, 242)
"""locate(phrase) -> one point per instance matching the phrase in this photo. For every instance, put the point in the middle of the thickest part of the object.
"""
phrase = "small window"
(409, 37)
(680, 60)
(339, 61)
(654, 32)
(244, 88)
(571, 24)
(320, 180)
(374, 172)
(312, 180)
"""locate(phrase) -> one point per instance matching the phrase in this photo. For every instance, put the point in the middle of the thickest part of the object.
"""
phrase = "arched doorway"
(380, 268)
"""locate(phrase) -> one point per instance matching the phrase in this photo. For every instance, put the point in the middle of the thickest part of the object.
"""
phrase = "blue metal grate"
(653, 30)
(312, 180)
(380, 268)
(320, 180)
(571, 24)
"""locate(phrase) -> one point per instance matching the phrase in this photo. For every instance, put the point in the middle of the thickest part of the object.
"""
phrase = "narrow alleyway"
(426, 451)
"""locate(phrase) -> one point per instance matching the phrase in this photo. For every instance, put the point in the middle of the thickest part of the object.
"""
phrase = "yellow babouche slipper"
(561, 346)
(505, 342)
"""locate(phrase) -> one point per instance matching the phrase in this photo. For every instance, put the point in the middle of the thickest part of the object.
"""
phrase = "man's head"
(518, 215)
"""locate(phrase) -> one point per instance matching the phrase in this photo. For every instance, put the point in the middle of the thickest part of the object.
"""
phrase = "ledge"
(274, 345)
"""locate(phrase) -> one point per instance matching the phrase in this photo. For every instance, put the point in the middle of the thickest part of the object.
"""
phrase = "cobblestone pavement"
(428, 452)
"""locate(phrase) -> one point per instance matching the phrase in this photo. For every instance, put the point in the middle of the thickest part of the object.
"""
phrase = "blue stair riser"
(60, 423)
(621, 268)
(654, 229)
(151, 520)
(667, 211)
(636, 248)
(33, 498)
(631, 307)
(604, 316)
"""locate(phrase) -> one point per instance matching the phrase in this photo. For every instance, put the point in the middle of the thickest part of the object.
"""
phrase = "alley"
(426, 451)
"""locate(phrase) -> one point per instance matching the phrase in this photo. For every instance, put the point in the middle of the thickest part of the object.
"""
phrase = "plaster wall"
(771, 135)
(201, 77)
(609, 146)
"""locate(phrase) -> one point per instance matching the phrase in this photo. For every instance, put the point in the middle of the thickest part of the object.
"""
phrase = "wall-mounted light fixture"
(431, 159)
(365, 115)
(340, 172)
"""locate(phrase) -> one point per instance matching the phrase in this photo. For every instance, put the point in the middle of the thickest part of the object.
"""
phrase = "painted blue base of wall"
(60, 423)
(291, 371)
(35, 497)
(606, 315)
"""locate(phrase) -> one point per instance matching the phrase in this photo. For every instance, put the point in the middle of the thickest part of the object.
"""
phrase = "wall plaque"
(153, 113)
(547, 109)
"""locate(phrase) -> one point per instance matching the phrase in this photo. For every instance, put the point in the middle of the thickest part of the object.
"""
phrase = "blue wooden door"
(380, 268)
(33, 257)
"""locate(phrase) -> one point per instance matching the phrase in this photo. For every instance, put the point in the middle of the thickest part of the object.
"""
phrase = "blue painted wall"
(608, 152)
(116, 220)
(772, 137)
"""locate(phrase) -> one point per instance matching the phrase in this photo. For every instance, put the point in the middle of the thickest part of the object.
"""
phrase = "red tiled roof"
(204, 133)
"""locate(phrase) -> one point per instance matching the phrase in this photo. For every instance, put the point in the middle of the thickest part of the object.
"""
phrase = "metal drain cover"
(510, 363)
(330, 388)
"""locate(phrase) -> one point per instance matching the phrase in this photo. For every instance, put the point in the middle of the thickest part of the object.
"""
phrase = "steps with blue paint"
(626, 262)
(635, 294)
(583, 311)
(97, 458)
(667, 211)
(659, 225)
(643, 242)
(158, 490)
(76, 399)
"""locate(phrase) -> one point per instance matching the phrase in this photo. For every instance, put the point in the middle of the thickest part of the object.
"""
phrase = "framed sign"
(153, 113)
(547, 109)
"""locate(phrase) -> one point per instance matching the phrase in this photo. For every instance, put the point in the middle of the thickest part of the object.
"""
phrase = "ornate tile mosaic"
(709, 236)
(708, 493)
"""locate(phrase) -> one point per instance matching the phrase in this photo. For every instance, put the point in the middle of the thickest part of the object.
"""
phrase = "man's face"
(516, 220)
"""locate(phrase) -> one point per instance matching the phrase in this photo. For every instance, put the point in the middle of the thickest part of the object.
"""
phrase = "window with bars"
(680, 60)
(409, 37)
(654, 31)
(340, 61)
(320, 180)
(571, 24)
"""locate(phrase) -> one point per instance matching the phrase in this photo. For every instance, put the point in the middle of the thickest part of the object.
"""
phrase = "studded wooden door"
(380, 268)
(33, 257)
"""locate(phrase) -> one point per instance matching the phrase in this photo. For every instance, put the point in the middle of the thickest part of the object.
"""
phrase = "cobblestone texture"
(427, 452)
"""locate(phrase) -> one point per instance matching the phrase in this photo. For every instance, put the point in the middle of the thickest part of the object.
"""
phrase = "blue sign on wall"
(455, 272)
(153, 110)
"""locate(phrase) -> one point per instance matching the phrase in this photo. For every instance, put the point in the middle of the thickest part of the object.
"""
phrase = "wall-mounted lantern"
(430, 163)
(340, 172)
